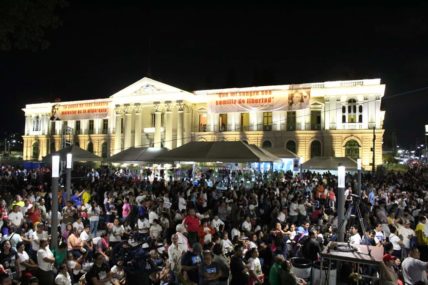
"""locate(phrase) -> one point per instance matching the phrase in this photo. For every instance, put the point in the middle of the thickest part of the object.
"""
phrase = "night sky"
(104, 46)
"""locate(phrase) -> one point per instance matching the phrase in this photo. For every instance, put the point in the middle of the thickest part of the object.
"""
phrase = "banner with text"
(80, 111)
(259, 101)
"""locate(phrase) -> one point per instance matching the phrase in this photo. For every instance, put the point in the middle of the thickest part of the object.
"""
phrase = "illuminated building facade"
(337, 118)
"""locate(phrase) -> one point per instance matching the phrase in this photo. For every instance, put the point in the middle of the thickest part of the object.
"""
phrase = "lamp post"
(341, 202)
(359, 176)
(54, 217)
(69, 166)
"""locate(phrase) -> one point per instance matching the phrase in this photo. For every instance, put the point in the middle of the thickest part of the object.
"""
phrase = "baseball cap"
(388, 257)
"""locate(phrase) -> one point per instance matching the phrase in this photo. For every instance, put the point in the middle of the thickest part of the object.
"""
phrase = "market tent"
(78, 154)
(137, 154)
(281, 152)
(329, 163)
(222, 151)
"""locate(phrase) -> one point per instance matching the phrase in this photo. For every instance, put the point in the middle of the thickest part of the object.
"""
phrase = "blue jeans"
(93, 225)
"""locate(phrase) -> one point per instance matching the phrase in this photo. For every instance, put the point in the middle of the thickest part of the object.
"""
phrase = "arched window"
(315, 149)
(352, 149)
(267, 144)
(90, 147)
(36, 151)
(104, 150)
(291, 146)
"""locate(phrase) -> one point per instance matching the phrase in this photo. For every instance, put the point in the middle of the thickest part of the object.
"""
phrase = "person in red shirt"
(206, 232)
(192, 222)
(34, 214)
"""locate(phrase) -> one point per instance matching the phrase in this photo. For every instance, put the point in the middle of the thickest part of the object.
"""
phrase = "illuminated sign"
(259, 100)
(80, 111)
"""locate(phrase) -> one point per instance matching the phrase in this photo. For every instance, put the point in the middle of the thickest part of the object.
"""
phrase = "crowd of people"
(120, 227)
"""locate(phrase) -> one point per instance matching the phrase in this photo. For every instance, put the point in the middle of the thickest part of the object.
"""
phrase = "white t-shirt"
(116, 233)
(182, 204)
(405, 233)
(153, 216)
(35, 239)
(355, 239)
(79, 226)
(302, 209)
(143, 226)
(22, 257)
(246, 226)
(62, 279)
(16, 218)
(84, 236)
(41, 254)
(294, 207)
(413, 270)
(255, 265)
(394, 239)
(155, 230)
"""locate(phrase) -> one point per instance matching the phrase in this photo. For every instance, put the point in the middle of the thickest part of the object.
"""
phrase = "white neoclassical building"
(335, 118)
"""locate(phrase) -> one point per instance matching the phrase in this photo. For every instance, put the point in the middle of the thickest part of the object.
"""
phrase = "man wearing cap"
(388, 276)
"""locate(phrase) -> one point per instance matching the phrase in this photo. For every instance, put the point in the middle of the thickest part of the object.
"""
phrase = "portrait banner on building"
(80, 111)
(259, 101)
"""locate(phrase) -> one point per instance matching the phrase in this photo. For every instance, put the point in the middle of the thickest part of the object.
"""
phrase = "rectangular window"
(360, 118)
(343, 119)
(105, 126)
(91, 127)
(267, 121)
(77, 127)
(291, 121)
(121, 125)
(315, 120)
(245, 122)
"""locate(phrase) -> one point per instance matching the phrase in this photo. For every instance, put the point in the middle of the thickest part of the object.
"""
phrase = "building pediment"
(146, 87)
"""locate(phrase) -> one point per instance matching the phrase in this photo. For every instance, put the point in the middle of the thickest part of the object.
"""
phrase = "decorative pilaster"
(180, 119)
(118, 130)
(128, 126)
(168, 125)
(138, 129)
(158, 125)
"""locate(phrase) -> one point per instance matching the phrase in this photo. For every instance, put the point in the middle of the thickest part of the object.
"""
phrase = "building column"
(138, 130)
(158, 125)
(168, 125)
(180, 120)
(128, 127)
(118, 131)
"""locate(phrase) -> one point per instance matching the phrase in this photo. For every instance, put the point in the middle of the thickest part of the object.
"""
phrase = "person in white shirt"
(226, 243)
(413, 268)
(355, 236)
(116, 233)
(293, 211)
(246, 225)
(24, 260)
(16, 217)
(235, 232)
(45, 262)
(155, 230)
(175, 253)
(182, 204)
(379, 236)
(153, 216)
(63, 277)
(407, 233)
(37, 236)
(396, 241)
(282, 216)
(216, 223)
(78, 224)
(143, 226)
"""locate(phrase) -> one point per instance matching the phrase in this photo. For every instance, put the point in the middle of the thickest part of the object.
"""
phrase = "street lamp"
(54, 216)
(341, 202)
(69, 166)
